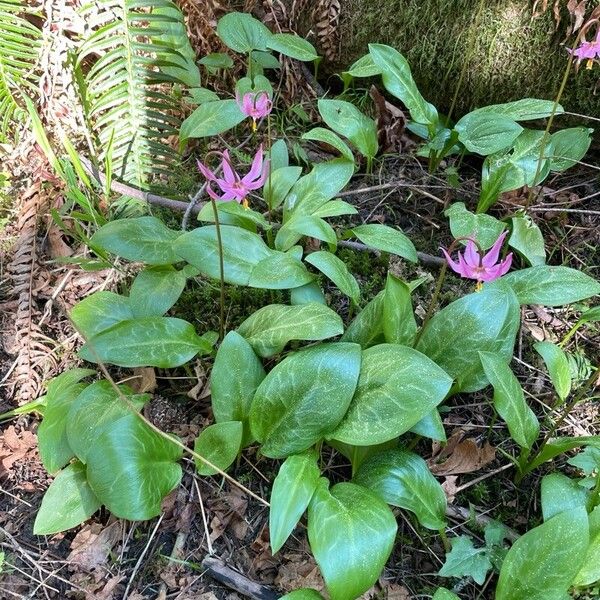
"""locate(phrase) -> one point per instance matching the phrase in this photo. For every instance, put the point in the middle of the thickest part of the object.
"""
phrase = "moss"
(512, 55)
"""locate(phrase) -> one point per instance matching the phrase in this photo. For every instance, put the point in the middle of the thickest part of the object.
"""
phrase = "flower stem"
(433, 303)
(221, 270)
(270, 155)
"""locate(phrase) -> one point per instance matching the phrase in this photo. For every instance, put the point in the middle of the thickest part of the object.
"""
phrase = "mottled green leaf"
(279, 184)
(556, 446)
(387, 239)
(527, 239)
(155, 290)
(570, 146)
(557, 364)
(464, 560)
(590, 569)
(211, 118)
(100, 311)
(367, 327)
(336, 270)
(219, 444)
(320, 134)
(293, 46)
(303, 594)
(560, 493)
(430, 426)
(487, 133)
(280, 271)
(242, 32)
(526, 109)
(485, 229)
(399, 325)
(444, 594)
(311, 292)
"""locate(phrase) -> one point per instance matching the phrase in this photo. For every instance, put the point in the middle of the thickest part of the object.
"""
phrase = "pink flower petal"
(228, 173)
(491, 258)
(208, 174)
(471, 254)
(256, 167)
(451, 263)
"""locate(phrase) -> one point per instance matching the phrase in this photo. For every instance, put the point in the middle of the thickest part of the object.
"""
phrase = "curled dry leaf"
(92, 545)
(461, 456)
(145, 380)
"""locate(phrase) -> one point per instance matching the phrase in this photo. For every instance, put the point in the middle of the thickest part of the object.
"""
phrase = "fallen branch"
(231, 578)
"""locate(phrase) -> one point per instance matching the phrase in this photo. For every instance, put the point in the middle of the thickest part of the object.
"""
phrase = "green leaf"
(279, 271)
(311, 227)
(387, 239)
(588, 460)
(320, 134)
(235, 376)
(265, 59)
(242, 251)
(358, 454)
(279, 184)
(163, 342)
(509, 400)
(335, 208)
(557, 364)
(527, 239)
(589, 316)
(431, 426)
(63, 391)
(344, 118)
(211, 118)
(484, 321)
(304, 398)
(464, 560)
(444, 594)
(350, 566)
(590, 570)
(570, 146)
(100, 311)
(551, 286)
(131, 469)
(397, 387)
(217, 60)
(201, 95)
(560, 493)
(293, 46)
(364, 67)
(243, 33)
(144, 239)
(292, 490)
(367, 327)
(311, 292)
(336, 270)
(399, 325)
(219, 444)
(526, 109)
(487, 133)
(403, 479)
(96, 408)
(542, 564)
(556, 446)
(270, 328)
(484, 229)
(303, 594)
(68, 502)
(279, 155)
(155, 290)
(398, 80)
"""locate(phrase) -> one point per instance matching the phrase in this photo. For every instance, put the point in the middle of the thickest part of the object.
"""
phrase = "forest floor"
(107, 558)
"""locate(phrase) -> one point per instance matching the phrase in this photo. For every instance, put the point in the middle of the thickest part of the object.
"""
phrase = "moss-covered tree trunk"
(508, 55)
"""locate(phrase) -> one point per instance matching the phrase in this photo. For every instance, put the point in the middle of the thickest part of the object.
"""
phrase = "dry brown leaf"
(461, 456)
(145, 380)
(91, 546)
(299, 572)
(450, 487)
(391, 123)
(394, 591)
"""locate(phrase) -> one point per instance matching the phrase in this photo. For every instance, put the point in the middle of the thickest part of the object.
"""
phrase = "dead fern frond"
(326, 17)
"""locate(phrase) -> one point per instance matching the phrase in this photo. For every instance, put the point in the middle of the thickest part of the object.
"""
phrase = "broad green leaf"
(163, 342)
(403, 479)
(201, 95)
(526, 109)
(63, 391)
(258, 83)
(557, 364)
(487, 133)
(279, 184)
(292, 490)
(311, 292)
(131, 468)
(591, 315)
(304, 398)
(217, 60)
(509, 400)
(364, 67)
(234, 215)
(556, 446)
(551, 286)
(335, 208)
(484, 229)
(590, 570)
(155, 290)
(444, 594)
(398, 80)
(68, 502)
(303, 594)
(399, 325)
(312, 227)
(560, 493)
(352, 562)
(358, 454)
(144, 239)
(527, 239)
(464, 560)
(235, 376)
(485, 321)
(320, 134)
(219, 444)
(431, 426)
(397, 387)
(542, 564)
(570, 146)
(242, 251)
(100, 311)
(279, 271)
(279, 155)
(96, 408)
(588, 460)
(270, 328)
(211, 118)
(293, 46)
(237, 210)
(387, 239)
(265, 59)
(336, 270)
(367, 327)
(344, 118)
(243, 33)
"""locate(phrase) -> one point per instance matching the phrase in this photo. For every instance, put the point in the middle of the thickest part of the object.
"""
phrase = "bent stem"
(221, 270)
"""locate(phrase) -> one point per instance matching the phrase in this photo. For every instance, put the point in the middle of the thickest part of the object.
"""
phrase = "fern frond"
(20, 43)
(128, 85)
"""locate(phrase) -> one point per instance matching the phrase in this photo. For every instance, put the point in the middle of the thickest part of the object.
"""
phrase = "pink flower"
(254, 104)
(232, 185)
(589, 51)
(482, 268)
